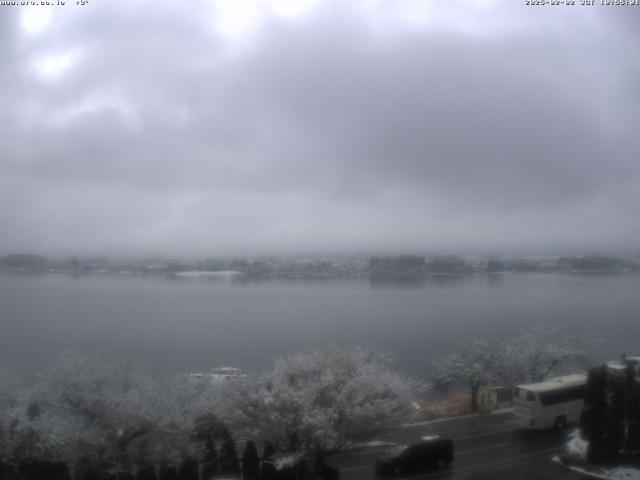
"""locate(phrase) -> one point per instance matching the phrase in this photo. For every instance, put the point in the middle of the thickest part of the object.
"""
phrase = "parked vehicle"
(427, 454)
(554, 403)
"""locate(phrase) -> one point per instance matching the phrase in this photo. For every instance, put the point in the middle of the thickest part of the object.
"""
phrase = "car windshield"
(396, 451)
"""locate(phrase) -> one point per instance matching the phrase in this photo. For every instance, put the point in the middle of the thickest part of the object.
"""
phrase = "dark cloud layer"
(480, 127)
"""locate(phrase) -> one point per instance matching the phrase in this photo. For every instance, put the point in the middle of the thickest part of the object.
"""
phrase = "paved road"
(503, 452)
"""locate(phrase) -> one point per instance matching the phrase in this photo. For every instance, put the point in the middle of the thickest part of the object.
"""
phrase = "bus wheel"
(560, 423)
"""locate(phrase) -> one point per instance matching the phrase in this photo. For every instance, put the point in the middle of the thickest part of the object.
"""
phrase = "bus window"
(569, 394)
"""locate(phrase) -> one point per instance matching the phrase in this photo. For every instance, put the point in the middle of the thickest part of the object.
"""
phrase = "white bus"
(553, 403)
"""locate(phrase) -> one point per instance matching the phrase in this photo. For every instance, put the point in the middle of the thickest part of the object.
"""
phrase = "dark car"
(427, 454)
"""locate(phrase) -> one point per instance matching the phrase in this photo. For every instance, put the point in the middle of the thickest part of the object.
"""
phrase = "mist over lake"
(194, 325)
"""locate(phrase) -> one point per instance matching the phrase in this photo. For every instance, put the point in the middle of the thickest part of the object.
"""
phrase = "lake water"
(193, 325)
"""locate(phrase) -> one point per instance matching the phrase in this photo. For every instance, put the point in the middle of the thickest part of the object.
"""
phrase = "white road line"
(486, 434)
(470, 467)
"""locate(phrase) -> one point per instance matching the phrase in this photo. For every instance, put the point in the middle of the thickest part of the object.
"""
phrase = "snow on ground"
(577, 446)
(287, 460)
(576, 449)
(613, 473)
(623, 473)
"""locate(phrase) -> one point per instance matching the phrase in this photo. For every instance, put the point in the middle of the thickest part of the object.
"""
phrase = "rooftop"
(566, 381)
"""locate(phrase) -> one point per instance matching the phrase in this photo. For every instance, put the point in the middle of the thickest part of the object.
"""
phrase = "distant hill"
(592, 263)
(22, 260)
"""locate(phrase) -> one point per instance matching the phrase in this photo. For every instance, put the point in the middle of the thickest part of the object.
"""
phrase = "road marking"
(461, 452)
(486, 434)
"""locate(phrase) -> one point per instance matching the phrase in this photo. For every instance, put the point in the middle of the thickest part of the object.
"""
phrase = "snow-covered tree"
(474, 363)
(90, 406)
(323, 398)
(87, 406)
(544, 350)
(531, 356)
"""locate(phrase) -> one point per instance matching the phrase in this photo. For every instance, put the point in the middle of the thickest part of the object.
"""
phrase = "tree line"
(90, 413)
(114, 417)
(410, 264)
(211, 465)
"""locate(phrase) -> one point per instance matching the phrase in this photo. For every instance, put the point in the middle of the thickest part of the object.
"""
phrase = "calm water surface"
(193, 325)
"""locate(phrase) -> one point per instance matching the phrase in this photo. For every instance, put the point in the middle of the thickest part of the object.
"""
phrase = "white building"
(219, 374)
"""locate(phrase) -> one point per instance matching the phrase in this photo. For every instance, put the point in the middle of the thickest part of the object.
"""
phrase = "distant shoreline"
(229, 274)
(400, 266)
(204, 273)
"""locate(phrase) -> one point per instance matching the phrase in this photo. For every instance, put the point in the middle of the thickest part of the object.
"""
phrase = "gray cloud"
(504, 128)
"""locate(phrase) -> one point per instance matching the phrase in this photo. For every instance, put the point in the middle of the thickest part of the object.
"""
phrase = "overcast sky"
(248, 127)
